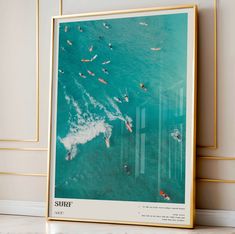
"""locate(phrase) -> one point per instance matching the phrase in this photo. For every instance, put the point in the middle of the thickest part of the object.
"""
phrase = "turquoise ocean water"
(147, 158)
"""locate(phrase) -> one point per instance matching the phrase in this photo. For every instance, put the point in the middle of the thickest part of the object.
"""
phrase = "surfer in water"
(142, 86)
(69, 42)
(129, 126)
(127, 169)
(104, 70)
(106, 62)
(90, 73)
(71, 153)
(106, 25)
(94, 57)
(176, 135)
(110, 46)
(126, 98)
(102, 81)
(155, 49)
(68, 156)
(85, 60)
(81, 75)
(80, 29)
(164, 195)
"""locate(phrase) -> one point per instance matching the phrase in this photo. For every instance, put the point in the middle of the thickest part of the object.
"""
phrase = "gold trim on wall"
(61, 7)
(216, 158)
(24, 149)
(37, 85)
(23, 174)
(215, 181)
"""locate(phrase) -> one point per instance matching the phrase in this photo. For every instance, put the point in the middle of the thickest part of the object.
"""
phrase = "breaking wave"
(84, 134)
(85, 125)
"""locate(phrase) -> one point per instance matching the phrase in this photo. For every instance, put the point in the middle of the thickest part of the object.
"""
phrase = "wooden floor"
(38, 225)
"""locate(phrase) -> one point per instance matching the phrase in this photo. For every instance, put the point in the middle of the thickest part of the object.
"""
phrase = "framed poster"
(122, 123)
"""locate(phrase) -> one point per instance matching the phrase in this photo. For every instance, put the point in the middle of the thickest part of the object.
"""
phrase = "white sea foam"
(86, 133)
(85, 126)
(74, 103)
(111, 115)
(118, 114)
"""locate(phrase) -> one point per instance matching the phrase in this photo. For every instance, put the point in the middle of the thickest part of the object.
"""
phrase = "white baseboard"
(203, 217)
(224, 218)
(22, 208)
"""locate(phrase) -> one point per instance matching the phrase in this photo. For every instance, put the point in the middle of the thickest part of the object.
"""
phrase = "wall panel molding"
(216, 169)
(23, 174)
(37, 88)
(215, 158)
(215, 181)
(25, 149)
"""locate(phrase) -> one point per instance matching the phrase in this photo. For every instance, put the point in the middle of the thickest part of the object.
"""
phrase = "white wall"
(24, 91)
(24, 73)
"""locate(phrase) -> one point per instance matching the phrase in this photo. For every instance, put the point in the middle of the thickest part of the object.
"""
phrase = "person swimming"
(61, 71)
(66, 28)
(71, 153)
(81, 75)
(164, 195)
(107, 26)
(90, 73)
(126, 98)
(102, 81)
(104, 70)
(80, 29)
(110, 46)
(106, 62)
(176, 135)
(69, 156)
(69, 42)
(127, 169)
(142, 86)
(117, 99)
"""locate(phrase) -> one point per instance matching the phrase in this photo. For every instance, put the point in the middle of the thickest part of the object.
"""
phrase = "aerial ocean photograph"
(121, 108)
